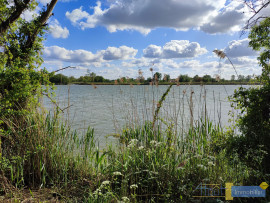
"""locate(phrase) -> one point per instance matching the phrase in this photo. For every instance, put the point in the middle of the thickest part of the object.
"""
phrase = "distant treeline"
(92, 78)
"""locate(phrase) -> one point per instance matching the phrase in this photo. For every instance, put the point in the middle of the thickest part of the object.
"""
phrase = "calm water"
(108, 108)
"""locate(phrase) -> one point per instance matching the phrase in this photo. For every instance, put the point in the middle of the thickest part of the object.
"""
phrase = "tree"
(196, 78)
(20, 60)
(260, 41)
(207, 78)
(157, 76)
(10, 15)
(184, 78)
(233, 78)
(254, 121)
(256, 7)
(99, 79)
(166, 78)
(59, 79)
(241, 78)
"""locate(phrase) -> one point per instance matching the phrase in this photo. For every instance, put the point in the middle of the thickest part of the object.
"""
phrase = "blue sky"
(115, 38)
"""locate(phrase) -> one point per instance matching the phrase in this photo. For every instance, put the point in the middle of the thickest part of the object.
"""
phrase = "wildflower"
(141, 148)
(210, 163)
(153, 142)
(134, 186)
(198, 156)
(125, 199)
(158, 144)
(151, 69)
(106, 182)
(212, 157)
(97, 192)
(202, 166)
(117, 173)
(132, 143)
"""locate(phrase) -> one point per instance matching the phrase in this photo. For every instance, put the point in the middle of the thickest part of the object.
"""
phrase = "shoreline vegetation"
(169, 83)
(43, 160)
(93, 79)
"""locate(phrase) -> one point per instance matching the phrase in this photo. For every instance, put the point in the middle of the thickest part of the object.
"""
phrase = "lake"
(108, 108)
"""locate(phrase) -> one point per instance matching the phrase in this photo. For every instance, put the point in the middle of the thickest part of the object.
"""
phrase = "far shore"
(166, 83)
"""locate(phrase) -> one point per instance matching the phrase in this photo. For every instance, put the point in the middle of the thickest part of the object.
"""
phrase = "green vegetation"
(149, 163)
(60, 79)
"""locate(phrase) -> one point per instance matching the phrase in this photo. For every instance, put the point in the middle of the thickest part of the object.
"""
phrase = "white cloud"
(83, 56)
(145, 15)
(211, 16)
(244, 60)
(238, 48)
(123, 52)
(231, 18)
(175, 49)
(57, 30)
(76, 15)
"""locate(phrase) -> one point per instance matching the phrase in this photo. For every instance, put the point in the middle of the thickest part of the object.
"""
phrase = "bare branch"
(63, 69)
(256, 9)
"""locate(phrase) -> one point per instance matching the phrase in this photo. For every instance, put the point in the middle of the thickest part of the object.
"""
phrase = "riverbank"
(151, 162)
(167, 83)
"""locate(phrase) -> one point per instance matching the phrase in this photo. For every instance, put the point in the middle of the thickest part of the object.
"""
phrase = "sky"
(116, 38)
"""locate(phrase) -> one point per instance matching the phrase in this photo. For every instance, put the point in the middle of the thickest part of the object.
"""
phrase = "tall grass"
(154, 160)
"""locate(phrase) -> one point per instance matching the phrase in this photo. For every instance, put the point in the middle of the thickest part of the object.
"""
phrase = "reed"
(160, 159)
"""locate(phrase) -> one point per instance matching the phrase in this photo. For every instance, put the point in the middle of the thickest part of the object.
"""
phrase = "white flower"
(198, 156)
(117, 173)
(153, 142)
(106, 182)
(210, 163)
(134, 186)
(141, 148)
(158, 144)
(125, 199)
(97, 192)
(212, 157)
(132, 143)
(202, 166)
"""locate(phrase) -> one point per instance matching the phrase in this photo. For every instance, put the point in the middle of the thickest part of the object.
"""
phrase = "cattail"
(217, 77)
(220, 53)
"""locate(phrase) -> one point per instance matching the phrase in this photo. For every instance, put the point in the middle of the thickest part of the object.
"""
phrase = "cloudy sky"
(116, 38)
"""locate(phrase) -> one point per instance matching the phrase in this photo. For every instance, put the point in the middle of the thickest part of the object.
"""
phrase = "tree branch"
(20, 7)
(251, 21)
(41, 21)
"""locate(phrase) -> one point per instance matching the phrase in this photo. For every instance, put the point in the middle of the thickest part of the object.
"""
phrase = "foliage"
(253, 145)
(20, 60)
(59, 79)
(157, 76)
(260, 41)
